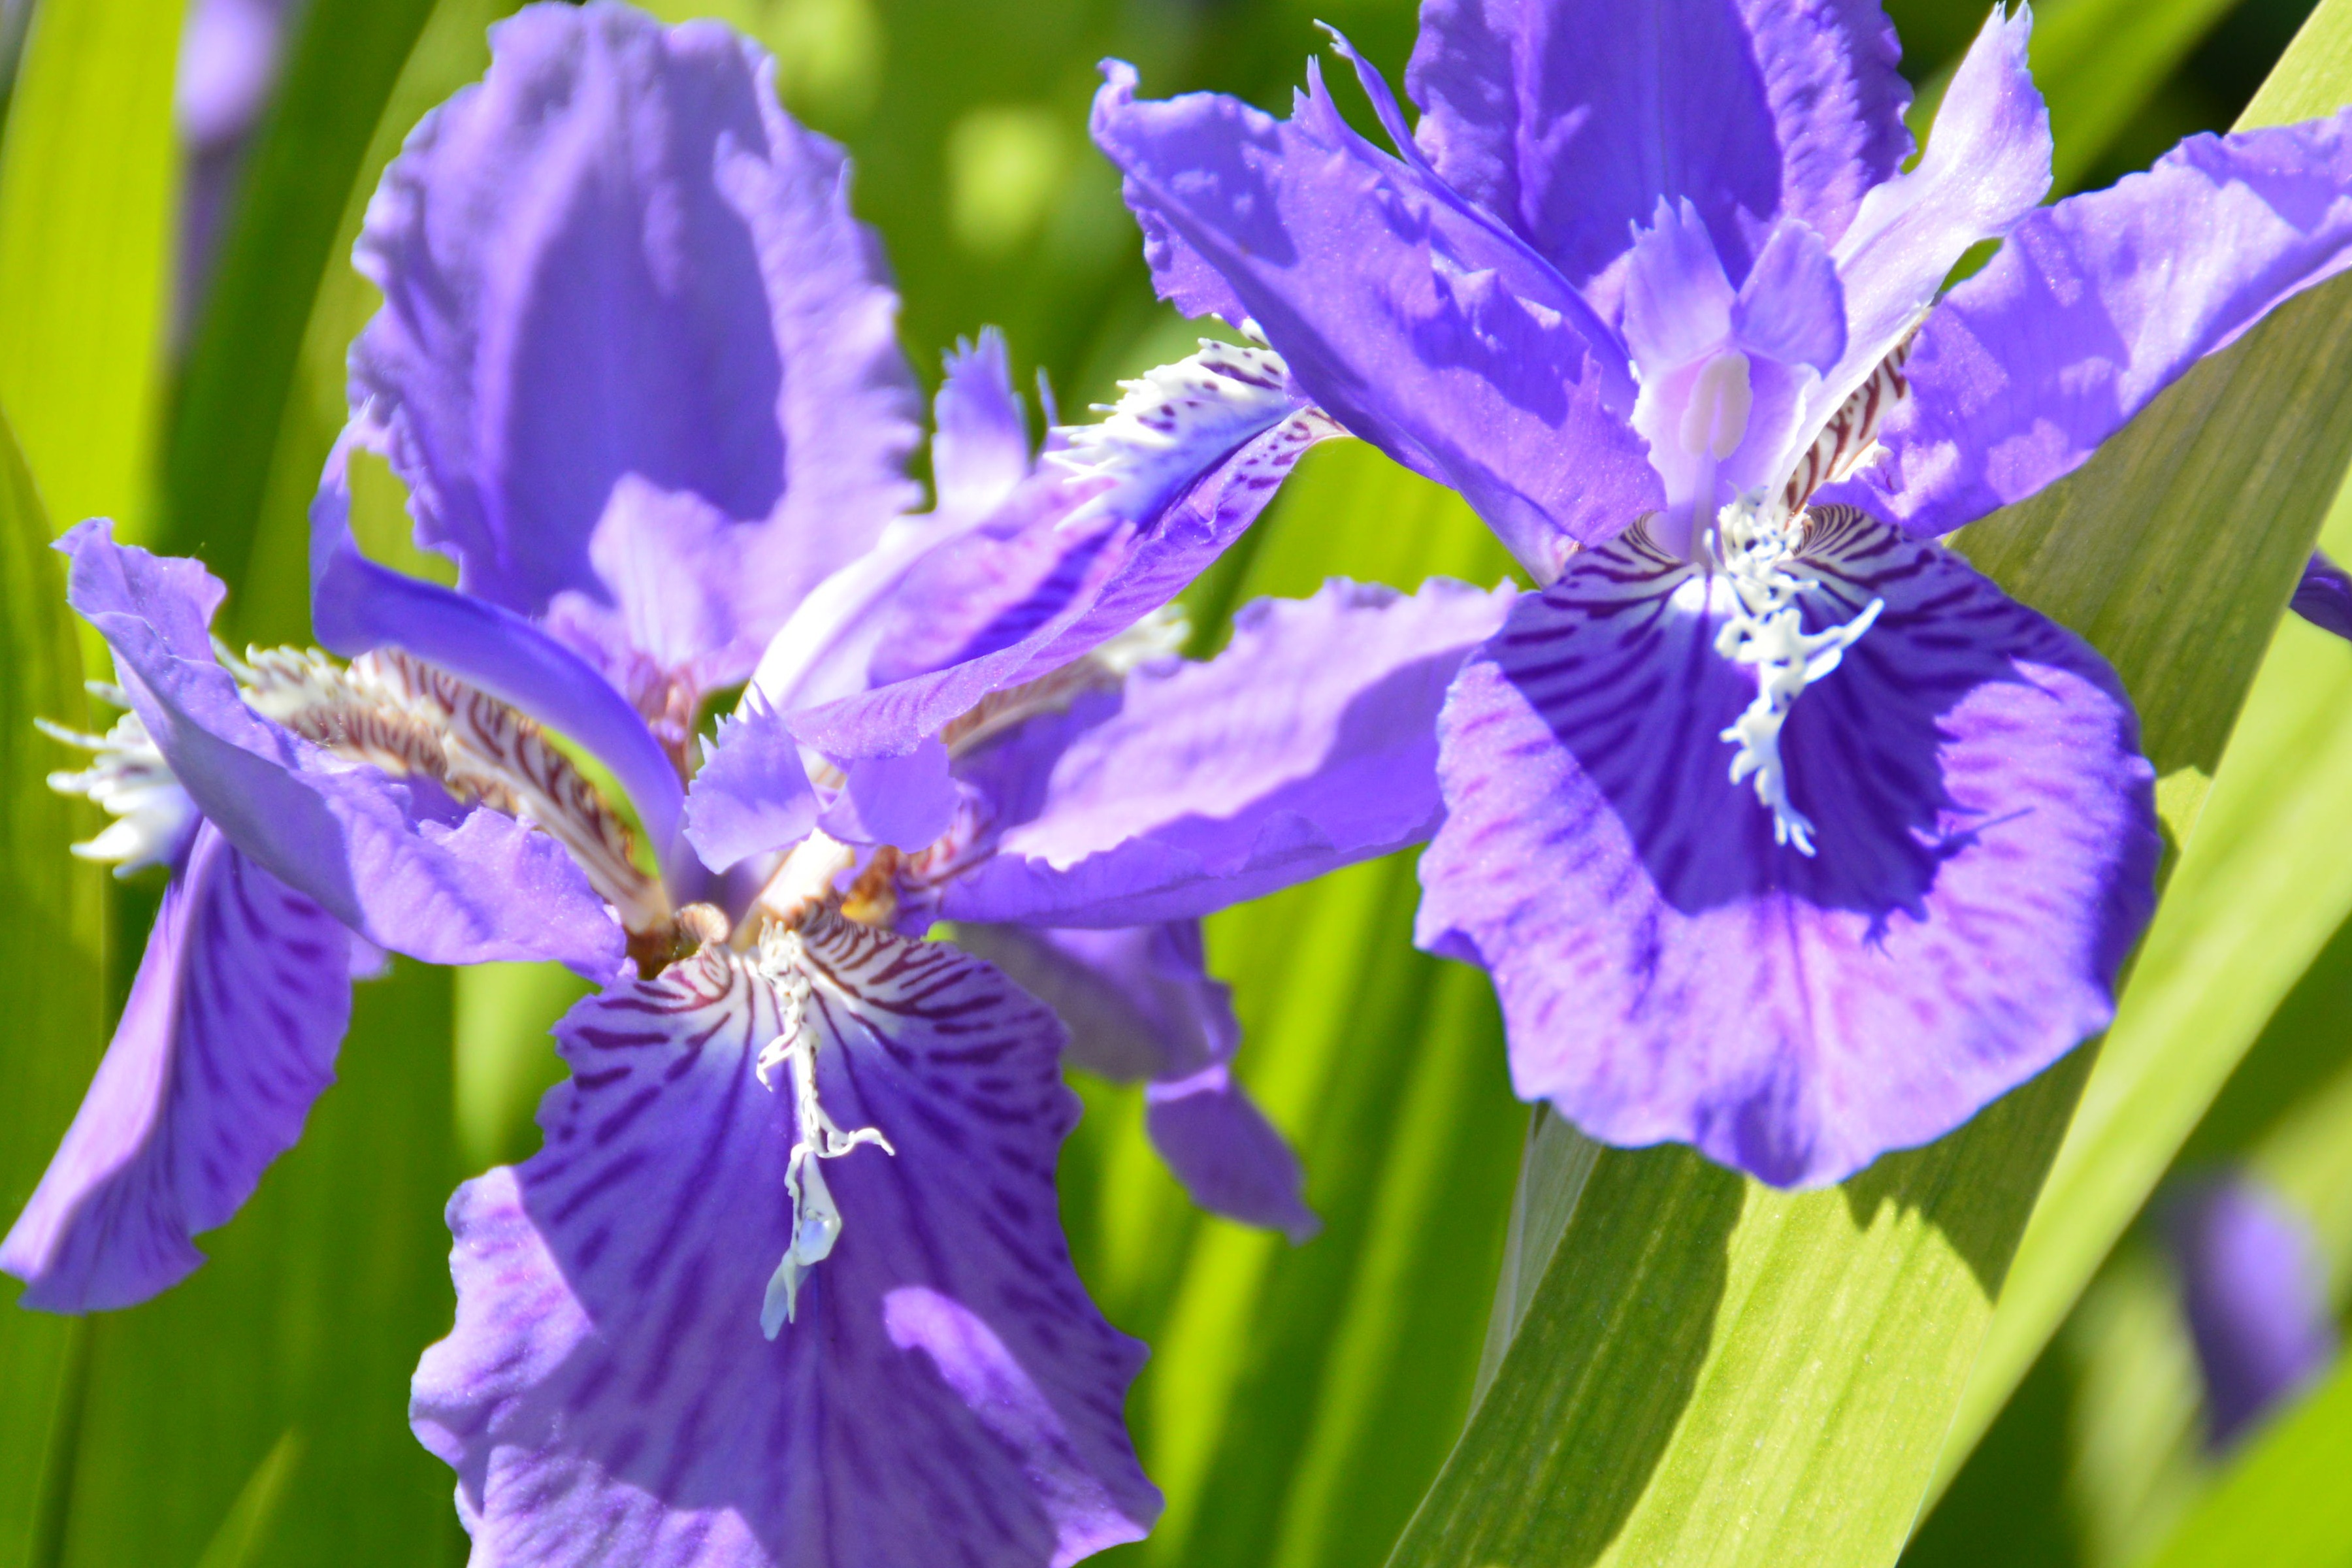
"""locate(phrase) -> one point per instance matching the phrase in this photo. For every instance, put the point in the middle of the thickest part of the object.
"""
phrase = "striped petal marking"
(944, 1391)
(1671, 968)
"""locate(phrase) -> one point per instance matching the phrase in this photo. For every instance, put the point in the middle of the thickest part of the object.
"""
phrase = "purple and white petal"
(2324, 595)
(393, 860)
(943, 1390)
(1987, 167)
(1139, 1003)
(1416, 321)
(2254, 1291)
(230, 1033)
(1131, 511)
(358, 606)
(979, 428)
(2097, 304)
(617, 256)
(1571, 121)
(1308, 744)
(1667, 970)
(753, 793)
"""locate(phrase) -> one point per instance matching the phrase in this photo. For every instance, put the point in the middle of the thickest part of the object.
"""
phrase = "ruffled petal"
(945, 1391)
(230, 1033)
(2095, 305)
(1415, 321)
(1987, 166)
(1134, 511)
(1985, 850)
(752, 795)
(385, 857)
(1139, 1003)
(1309, 743)
(1570, 120)
(617, 256)
(980, 439)
(2254, 1291)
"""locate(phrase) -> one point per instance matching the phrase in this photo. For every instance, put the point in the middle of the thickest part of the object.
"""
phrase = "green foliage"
(51, 924)
(85, 195)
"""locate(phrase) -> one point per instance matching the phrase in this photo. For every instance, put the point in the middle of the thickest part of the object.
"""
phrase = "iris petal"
(229, 1035)
(1986, 852)
(945, 1391)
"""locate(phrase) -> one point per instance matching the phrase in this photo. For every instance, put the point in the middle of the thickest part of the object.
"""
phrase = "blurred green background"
(1298, 1401)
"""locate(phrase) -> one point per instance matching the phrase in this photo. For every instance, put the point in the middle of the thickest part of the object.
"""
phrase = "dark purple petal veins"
(1985, 845)
(229, 1035)
(945, 1391)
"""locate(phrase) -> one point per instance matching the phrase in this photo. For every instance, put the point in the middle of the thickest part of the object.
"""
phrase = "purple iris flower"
(786, 1280)
(1074, 816)
(2255, 1296)
(1783, 832)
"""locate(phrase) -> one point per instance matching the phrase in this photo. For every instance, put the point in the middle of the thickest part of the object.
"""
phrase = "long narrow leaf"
(51, 925)
(86, 222)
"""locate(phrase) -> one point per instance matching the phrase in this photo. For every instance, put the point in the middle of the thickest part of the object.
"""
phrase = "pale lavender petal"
(1309, 743)
(1136, 509)
(752, 795)
(229, 1035)
(1139, 1003)
(1987, 166)
(228, 62)
(906, 801)
(357, 605)
(1986, 847)
(2254, 1291)
(617, 256)
(1414, 322)
(2095, 305)
(945, 1393)
(2324, 596)
(390, 859)
(1571, 119)
(979, 436)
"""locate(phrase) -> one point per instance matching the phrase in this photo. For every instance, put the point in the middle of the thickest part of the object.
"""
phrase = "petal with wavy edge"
(2098, 303)
(616, 254)
(1571, 119)
(1417, 322)
(230, 1033)
(1986, 835)
(1158, 492)
(1308, 744)
(1139, 1003)
(753, 792)
(947, 1392)
(979, 437)
(1987, 167)
(390, 859)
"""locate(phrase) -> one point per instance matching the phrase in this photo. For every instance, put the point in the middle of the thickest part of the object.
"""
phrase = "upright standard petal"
(616, 257)
(943, 1392)
(2095, 305)
(1138, 507)
(1987, 166)
(1571, 119)
(229, 1035)
(390, 859)
(1139, 1003)
(1309, 743)
(1417, 322)
(2255, 1292)
(1985, 850)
